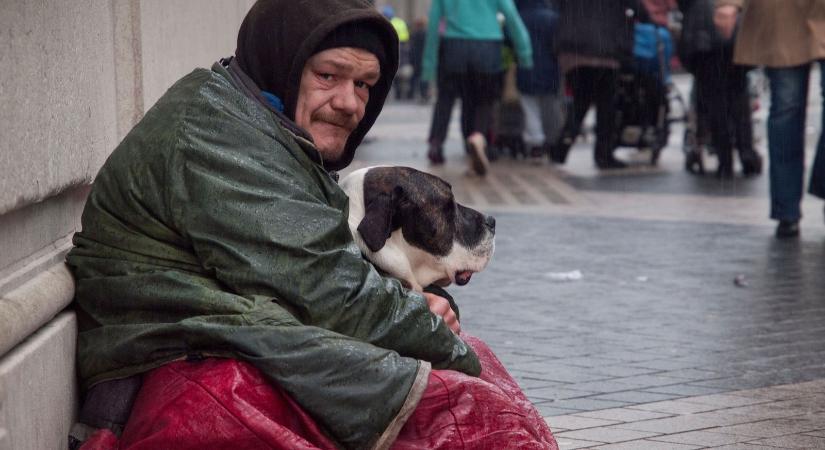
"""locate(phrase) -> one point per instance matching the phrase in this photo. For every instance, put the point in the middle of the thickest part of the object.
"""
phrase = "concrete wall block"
(57, 117)
(178, 36)
(35, 237)
(38, 393)
(27, 308)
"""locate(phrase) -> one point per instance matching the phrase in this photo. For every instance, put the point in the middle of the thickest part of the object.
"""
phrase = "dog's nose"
(490, 222)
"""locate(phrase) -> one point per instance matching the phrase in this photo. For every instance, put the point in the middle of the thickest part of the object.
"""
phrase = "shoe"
(436, 155)
(536, 151)
(787, 229)
(724, 173)
(610, 162)
(477, 151)
(751, 164)
(558, 152)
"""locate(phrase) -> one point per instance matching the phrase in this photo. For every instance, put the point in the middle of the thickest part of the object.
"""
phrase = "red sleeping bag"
(227, 404)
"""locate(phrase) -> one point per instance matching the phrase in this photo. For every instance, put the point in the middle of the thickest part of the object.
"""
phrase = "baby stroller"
(642, 97)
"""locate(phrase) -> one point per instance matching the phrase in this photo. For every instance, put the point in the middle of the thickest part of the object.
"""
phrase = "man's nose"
(346, 99)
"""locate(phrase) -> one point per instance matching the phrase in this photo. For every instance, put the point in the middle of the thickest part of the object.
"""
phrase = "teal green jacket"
(474, 19)
(211, 230)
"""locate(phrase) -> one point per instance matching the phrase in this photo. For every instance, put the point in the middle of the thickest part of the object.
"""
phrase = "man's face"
(332, 98)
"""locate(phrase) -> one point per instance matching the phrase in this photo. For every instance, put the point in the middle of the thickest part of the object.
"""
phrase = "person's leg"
(742, 121)
(786, 140)
(582, 85)
(424, 90)
(533, 134)
(712, 84)
(475, 144)
(552, 117)
(606, 119)
(442, 111)
(485, 89)
(412, 85)
(817, 183)
(468, 103)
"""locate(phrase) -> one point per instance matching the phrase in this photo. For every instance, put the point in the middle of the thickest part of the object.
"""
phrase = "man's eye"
(325, 76)
(362, 85)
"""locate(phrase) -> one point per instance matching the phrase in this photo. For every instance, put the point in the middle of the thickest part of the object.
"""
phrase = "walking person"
(595, 40)
(539, 86)
(468, 57)
(418, 37)
(404, 74)
(787, 38)
(721, 88)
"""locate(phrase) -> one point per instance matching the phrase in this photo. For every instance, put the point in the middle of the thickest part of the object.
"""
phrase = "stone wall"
(76, 76)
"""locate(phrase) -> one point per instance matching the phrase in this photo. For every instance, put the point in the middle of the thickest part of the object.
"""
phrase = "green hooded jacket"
(213, 230)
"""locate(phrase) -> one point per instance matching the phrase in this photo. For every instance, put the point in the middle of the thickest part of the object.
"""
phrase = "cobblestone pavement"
(643, 308)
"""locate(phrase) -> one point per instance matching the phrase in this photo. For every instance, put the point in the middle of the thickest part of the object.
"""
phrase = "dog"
(409, 225)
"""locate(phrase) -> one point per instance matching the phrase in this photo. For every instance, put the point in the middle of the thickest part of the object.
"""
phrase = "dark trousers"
(786, 141)
(722, 89)
(477, 92)
(472, 71)
(448, 92)
(591, 85)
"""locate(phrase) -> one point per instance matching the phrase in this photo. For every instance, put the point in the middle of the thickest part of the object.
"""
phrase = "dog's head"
(408, 223)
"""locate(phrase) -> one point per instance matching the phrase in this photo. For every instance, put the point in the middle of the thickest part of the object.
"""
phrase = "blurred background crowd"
(527, 72)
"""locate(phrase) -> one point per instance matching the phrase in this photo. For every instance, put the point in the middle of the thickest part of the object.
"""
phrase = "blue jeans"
(786, 141)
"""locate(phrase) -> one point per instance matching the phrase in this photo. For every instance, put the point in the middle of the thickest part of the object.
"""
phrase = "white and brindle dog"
(409, 225)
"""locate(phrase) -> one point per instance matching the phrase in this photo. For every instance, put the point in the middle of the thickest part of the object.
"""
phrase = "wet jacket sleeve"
(265, 227)
(517, 33)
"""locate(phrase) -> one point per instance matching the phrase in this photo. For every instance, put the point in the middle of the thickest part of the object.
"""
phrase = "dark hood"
(278, 36)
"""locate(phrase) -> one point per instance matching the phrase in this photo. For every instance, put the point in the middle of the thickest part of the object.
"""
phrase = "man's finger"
(452, 321)
(441, 307)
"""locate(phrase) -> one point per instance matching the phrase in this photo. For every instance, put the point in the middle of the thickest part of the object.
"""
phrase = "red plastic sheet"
(226, 404)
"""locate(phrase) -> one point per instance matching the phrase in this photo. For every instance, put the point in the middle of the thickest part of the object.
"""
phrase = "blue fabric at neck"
(273, 100)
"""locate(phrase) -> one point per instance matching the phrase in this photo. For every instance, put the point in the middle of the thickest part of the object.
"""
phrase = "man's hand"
(725, 20)
(441, 307)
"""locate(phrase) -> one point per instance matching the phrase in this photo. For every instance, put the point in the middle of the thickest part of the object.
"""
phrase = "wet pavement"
(641, 308)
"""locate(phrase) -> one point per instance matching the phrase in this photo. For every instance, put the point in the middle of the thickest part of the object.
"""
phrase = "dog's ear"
(377, 225)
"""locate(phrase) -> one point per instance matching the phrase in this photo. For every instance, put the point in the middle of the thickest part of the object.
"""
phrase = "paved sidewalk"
(644, 308)
(790, 416)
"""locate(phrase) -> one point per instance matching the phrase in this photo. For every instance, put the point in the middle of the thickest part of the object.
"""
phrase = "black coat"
(700, 39)
(541, 22)
(599, 28)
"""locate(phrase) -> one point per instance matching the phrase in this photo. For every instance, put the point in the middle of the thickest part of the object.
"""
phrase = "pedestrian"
(540, 86)
(405, 69)
(660, 11)
(418, 86)
(222, 300)
(469, 58)
(787, 38)
(595, 40)
(722, 88)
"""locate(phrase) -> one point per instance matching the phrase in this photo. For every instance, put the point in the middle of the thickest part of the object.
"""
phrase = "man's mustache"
(346, 121)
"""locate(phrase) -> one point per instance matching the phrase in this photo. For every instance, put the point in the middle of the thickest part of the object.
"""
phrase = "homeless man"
(222, 301)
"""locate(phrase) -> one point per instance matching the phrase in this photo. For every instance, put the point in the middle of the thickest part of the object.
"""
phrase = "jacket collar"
(242, 81)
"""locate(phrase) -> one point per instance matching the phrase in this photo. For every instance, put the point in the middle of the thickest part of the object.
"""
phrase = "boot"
(609, 162)
(435, 154)
(787, 229)
(558, 151)
(477, 151)
(751, 163)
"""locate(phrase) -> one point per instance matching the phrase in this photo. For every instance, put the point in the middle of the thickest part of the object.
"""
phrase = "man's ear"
(377, 225)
